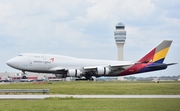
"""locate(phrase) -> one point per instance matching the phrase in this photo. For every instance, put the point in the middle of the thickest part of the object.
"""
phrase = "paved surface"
(85, 96)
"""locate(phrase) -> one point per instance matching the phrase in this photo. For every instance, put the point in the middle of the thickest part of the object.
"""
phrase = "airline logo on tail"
(158, 54)
(152, 61)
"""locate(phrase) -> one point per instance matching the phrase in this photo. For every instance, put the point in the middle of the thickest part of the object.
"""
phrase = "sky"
(85, 29)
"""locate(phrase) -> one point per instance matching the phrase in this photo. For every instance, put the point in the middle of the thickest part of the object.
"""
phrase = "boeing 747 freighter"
(64, 66)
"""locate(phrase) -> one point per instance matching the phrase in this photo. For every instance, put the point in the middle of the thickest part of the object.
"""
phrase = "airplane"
(65, 66)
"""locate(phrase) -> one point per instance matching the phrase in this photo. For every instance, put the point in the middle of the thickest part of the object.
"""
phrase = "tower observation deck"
(120, 37)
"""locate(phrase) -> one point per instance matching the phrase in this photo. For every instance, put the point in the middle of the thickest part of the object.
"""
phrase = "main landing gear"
(24, 75)
(87, 78)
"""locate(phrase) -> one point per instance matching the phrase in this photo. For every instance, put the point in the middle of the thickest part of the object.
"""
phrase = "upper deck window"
(37, 56)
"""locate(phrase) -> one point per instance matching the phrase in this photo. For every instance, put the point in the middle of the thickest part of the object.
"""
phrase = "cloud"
(86, 28)
(169, 4)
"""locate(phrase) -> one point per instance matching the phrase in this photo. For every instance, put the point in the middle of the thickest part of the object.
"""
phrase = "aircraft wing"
(114, 66)
(122, 65)
(56, 69)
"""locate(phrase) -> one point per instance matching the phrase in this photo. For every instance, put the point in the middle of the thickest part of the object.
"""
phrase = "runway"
(84, 96)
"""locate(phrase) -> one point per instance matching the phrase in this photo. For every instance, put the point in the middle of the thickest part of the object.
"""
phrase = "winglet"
(157, 54)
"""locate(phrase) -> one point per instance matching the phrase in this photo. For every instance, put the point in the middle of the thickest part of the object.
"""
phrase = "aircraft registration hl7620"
(64, 66)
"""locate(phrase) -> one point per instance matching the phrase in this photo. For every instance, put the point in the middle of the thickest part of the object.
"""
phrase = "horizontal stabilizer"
(160, 65)
(171, 64)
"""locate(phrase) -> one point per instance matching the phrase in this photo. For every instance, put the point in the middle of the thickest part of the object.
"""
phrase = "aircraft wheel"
(24, 77)
(91, 79)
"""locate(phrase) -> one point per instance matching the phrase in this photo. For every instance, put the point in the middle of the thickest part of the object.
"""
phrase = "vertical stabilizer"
(157, 54)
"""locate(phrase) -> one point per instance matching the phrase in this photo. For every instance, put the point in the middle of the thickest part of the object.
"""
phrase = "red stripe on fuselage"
(133, 69)
(143, 62)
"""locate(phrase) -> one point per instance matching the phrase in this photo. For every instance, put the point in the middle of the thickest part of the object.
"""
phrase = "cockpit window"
(20, 55)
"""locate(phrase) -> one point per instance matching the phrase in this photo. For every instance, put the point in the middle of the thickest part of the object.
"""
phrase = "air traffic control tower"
(120, 37)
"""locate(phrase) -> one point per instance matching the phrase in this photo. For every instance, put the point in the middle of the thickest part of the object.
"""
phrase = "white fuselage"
(76, 67)
(50, 63)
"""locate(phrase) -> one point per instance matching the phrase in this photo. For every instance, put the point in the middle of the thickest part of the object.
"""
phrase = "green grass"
(89, 87)
(72, 104)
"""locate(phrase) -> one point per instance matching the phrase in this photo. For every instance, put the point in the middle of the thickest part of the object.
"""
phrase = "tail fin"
(158, 54)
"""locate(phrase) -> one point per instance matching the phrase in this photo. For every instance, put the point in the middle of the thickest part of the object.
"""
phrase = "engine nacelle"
(74, 73)
(103, 70)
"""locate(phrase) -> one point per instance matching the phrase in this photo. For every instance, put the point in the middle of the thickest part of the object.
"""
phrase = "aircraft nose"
(9, 62)
(12, 62)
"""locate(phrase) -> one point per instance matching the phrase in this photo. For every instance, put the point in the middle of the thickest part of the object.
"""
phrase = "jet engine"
(74, 73)
(103, 70)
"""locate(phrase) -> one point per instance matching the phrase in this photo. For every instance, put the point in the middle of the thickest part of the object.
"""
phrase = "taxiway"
(84, 96)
